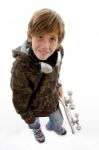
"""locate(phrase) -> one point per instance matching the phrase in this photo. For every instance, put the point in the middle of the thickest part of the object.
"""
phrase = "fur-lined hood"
(25, 52)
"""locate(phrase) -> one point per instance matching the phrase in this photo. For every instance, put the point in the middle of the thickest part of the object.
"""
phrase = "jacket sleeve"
(21, 93)
(59, 84)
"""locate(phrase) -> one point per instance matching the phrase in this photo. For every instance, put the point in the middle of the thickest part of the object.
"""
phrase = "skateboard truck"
(73, 119)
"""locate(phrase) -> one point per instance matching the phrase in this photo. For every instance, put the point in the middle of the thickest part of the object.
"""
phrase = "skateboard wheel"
(78, 127)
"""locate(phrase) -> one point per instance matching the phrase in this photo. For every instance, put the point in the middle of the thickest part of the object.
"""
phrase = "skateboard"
(73, 119)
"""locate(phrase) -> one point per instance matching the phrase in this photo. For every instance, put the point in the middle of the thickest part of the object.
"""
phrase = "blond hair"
(46, 21)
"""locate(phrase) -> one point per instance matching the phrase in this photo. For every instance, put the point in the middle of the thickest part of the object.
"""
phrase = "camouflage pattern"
(34, 93)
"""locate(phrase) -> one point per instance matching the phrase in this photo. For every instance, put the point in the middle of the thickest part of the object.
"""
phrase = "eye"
(40, 36)
(53, 39)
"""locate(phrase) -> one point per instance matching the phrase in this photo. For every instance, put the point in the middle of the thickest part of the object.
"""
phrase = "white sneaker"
(59, 131)
(39, 136)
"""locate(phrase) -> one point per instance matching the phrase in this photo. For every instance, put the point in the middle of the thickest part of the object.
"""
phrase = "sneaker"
(60, 131)
(39, 136)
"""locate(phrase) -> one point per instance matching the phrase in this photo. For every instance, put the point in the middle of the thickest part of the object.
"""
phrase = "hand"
(61, 92)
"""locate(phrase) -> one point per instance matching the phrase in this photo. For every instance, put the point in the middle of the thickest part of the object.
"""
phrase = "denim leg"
(35, 125)
(55, 120)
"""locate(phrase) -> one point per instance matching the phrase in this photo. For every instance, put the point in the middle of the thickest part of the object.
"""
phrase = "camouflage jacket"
(34, 93)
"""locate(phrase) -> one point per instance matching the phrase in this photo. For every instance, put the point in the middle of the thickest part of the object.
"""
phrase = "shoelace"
(61, 131)
(38, 133)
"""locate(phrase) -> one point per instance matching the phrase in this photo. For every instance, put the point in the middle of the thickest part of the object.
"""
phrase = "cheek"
(55, 46)
(34, 44)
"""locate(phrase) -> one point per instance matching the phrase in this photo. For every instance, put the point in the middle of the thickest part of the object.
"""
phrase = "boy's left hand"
(61, 92)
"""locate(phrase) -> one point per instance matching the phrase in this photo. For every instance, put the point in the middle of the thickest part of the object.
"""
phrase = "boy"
(35, 73)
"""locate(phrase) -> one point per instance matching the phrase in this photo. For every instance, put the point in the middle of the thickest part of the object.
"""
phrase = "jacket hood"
(25, 53)
(21, 50)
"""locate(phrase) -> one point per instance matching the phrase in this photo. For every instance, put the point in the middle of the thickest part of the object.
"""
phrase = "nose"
(46, 45)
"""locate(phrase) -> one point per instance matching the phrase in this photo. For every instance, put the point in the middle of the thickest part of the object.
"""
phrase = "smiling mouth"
(43, 53)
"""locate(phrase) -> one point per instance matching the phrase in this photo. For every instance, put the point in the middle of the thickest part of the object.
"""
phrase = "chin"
(43, 58)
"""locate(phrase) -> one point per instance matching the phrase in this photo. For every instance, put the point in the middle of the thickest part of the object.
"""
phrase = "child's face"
(44, 45)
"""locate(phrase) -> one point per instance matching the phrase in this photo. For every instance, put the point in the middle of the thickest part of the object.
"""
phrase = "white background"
(80, 72)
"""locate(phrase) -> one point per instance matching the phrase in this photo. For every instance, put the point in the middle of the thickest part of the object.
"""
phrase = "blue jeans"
(54, 123)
